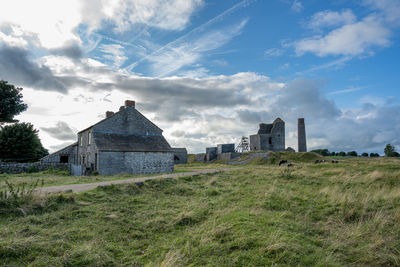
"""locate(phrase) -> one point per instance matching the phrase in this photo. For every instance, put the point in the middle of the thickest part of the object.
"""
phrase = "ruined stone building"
(269, 137)
(124, 142)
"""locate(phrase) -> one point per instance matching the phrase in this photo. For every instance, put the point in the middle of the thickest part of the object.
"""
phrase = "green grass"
(58, 177)
(345, 214)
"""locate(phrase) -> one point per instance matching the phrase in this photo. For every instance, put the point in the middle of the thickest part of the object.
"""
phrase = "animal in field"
(282, 162)
(317, 161)
(290, 165)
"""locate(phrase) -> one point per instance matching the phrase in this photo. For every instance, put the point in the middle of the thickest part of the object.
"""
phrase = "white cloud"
(297, 6)
(115, 53)
(273, 52)
(167, 15)
(389, 8)
(329, 18)
(52, 21)
(350, 40)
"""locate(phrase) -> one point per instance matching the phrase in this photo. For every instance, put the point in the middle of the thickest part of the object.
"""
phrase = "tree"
(390, 150)
(342, 153)
(352, 154)
(365, 154)
(19, 142)
(10, 102)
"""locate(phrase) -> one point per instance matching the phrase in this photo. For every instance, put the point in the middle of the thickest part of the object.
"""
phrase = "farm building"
(124, 142)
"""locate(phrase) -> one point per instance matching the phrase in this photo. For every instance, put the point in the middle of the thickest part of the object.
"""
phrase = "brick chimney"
(109, 114)
(129, 103)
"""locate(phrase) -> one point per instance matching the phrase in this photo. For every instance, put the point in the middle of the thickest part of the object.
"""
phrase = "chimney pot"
(109, 114)
(129, 103)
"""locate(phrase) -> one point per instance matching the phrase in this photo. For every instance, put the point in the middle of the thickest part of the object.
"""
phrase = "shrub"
(13, 198)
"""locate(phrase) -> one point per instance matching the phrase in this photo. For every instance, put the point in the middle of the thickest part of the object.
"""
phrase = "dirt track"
(86, 187)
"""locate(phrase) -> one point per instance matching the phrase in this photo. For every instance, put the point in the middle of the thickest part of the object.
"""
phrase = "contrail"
(241, 4)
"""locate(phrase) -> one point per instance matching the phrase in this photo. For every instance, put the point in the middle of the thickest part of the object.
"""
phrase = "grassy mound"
(305, 157)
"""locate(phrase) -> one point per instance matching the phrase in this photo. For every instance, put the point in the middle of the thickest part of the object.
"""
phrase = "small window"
(270, 141)
(64, 159)
(81, 140)
(89, 138)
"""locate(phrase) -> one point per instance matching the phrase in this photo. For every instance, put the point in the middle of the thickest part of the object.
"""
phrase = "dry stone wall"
(14, 168)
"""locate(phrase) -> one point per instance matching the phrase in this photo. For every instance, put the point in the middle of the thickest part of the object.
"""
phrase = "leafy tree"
(19, 142)
(342, 153)
(374, 155)
(10, 102)
(390, 150)
(352, 154)
(365, 154)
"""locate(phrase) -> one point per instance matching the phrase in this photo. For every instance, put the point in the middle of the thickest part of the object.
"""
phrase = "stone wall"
(225, 148)
(111, 163)
(211, 153)
(14, 168)
(200, 157)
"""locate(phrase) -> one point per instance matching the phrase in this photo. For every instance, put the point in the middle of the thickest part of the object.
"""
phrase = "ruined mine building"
(269, 137)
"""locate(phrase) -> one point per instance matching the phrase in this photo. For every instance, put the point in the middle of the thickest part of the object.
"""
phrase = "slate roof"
(130, 143)
(133, 111)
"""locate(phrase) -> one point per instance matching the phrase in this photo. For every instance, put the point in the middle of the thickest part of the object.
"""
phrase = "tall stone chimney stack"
(301, 135)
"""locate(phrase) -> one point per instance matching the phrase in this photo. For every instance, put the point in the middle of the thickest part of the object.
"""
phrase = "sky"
(208, 72)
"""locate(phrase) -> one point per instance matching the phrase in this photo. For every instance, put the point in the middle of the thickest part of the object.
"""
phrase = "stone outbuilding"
(269, 137)
(64, 155)
(124, 142)
(180, 155)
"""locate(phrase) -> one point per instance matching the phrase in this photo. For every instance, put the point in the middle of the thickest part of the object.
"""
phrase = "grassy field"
(345, 214)
(59, 177)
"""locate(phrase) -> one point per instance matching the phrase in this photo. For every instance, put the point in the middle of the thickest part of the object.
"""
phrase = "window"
(81, 140)
(270, 141)
(64, 159)
(89, 138)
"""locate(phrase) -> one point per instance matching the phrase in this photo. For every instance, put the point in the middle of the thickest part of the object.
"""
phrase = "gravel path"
(86, 187)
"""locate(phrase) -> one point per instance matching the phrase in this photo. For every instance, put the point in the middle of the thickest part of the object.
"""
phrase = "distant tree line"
(390, 151)
(326, 152)
(19, 142)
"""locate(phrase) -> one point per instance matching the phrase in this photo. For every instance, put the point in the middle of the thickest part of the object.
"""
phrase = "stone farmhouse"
(269, 137)
(124, 142)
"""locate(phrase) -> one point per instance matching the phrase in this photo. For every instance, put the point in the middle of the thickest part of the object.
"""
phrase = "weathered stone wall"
(180, 155)
(211, 153)
(87, 151)
(226, 148)
(278, 136)
(200, 157)
(111, 163)
(14, 168)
